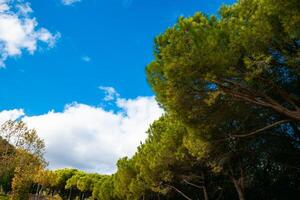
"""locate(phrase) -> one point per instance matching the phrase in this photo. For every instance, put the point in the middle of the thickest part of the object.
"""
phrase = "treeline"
(230, 88)
(172, 164)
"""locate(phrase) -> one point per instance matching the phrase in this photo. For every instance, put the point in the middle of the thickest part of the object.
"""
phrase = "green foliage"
(250, 54)
(233, 82)
(124, 178)
(104, 189)
(162, 153)
(230, 89)
(21, 156)
(4, 197)
(26, 168)
(7, 155)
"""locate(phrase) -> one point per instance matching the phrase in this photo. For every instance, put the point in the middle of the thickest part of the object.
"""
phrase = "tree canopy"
(229, 85)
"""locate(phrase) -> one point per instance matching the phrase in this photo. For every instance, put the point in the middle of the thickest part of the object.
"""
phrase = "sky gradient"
(85, 59)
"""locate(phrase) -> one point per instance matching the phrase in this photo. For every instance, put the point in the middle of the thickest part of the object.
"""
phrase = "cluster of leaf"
(73, 184)
(234, 82)
(68, 183)
(21, 156)
(163, 168)
(251, 54)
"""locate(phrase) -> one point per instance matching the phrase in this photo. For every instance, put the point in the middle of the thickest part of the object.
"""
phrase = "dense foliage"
(231, 130)
(21, 157)
(234, 83)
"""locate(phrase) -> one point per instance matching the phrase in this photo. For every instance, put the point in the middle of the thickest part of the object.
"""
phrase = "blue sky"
(78, 76)
(117, 37)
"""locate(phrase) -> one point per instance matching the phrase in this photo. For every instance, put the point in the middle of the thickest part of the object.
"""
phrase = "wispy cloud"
(110, 93)
(69, 2)
(19, 31)
(86, 58)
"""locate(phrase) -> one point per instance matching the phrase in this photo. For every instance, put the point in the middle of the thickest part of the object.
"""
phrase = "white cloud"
(6, 115)
(24, 9)
(19, 31)
(110, 93)
(92, 138)
(69, 2)
(86, 58)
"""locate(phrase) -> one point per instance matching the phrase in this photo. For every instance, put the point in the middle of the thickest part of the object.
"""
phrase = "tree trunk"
(40, 190)
(70, 194)
(37, 191)
(239, 188)
(205, 193)
(204, 186)
(52, 195)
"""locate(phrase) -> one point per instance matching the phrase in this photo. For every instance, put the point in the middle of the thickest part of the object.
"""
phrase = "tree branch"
(262, 129)
(199, 187)
(262, 100)
(192, 184)
(180, 192)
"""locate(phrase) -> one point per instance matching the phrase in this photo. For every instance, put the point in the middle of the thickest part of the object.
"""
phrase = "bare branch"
(262, 129)
(180, 192)
(192, 184)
